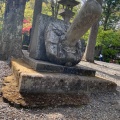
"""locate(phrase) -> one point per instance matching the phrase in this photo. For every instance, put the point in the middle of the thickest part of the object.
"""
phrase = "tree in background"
(55, 8)
(111, 13)
(12, 28)
(48, 10)
(109, 42)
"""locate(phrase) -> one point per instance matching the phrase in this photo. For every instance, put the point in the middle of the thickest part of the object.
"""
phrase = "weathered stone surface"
(42, 66)
(30, 81)
(55, 49)
(87, 16)
(47, 41)
(37, 49)
(61, 83)
(11, 94)
(53, 41)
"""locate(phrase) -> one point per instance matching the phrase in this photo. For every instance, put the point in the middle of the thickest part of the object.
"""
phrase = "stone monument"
(55, 50)
(59, 42)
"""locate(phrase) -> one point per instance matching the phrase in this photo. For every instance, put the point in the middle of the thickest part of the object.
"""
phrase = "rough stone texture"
(37, 11)
(60, 83)
(47, 41)
(53, 41)
(105, 106)
(30, 81)
(56, 51)
(87, 16)
(12, 95)
(37, 49)
(42, 66)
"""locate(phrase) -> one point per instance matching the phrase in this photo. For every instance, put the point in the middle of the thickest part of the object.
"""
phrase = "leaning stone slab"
(87, 16)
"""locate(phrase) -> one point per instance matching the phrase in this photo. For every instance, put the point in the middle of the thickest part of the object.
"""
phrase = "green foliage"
(2, 8)
(86, 35)
(28, 14)
(111, 13)
(46, 9)
(109, 40)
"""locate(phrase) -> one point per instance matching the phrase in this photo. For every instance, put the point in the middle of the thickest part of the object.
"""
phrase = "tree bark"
(12, 29)
(90, 48)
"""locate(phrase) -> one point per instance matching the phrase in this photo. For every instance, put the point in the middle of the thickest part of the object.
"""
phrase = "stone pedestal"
(30, 81)
(47, 67)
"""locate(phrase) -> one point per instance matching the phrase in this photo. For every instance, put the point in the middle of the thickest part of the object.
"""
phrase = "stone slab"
(37, 49)
(30, 81)
(11, 95)
(61, 83)
(42, 66)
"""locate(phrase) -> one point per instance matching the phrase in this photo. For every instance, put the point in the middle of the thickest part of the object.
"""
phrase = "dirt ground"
(102, 106)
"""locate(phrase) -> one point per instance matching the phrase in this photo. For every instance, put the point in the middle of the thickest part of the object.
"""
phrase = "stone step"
(30, 81)
(28, 88)
(11, 95)
(42, 66)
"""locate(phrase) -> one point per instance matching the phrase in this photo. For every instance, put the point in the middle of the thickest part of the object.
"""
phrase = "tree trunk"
(12, 29)
(90, 48)
(106, 21)
(37, 10)
(108, 13)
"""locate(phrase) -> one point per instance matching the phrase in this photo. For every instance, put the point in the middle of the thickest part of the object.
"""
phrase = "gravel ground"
(108, 71)
(101, 107)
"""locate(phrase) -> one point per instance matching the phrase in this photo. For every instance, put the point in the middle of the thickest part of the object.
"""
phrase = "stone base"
(42, 66)
(30, 81)
(28, 88)
(12, 95)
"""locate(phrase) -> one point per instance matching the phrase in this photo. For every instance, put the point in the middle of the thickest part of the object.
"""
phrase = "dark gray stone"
(56, 51)
(37, 50)
(42, 66)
